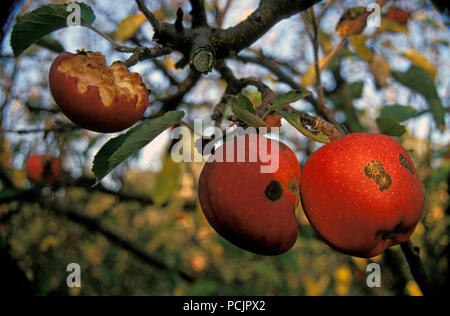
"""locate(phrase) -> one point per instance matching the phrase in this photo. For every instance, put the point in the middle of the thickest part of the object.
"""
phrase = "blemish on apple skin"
(405, 163)
(375, 170)
(274, 190)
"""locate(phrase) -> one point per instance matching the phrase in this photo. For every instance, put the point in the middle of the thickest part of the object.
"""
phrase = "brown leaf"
(352, 22)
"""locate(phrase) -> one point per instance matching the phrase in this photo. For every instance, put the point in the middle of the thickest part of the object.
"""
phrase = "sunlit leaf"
(128, 27)
(420, 61)
(309, 77)
(388, 25)
(359, 45)
(381, 70)
(167, 182)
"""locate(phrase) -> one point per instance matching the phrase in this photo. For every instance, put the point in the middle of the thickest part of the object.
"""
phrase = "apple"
(362, 194)
(96, 97)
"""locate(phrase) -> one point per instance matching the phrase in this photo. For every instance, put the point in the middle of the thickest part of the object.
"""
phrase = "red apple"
(43, 169)
(362, 194)
(96, 97)
(399, 15)
(251, 209)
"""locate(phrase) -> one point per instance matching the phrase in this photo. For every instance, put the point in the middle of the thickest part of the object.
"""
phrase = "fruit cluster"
(361, 194)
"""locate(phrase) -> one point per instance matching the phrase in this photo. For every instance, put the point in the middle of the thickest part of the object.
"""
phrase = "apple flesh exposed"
(96, 97)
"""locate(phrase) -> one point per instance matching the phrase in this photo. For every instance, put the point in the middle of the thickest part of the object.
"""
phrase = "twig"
(223, 14)
(149, 15)
(324, 10)
(417, 268)
(142, 53)
(333, 53)
(198, 14)
(117, 46)
(60, 129)
(319, 87)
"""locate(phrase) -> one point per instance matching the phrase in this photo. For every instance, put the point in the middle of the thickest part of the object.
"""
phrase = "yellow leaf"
(309, 77)
(167, 182)
(359, 44)
(316, 288)
(388, 25)
(343, 274)
(361, 263)
(420, 61)
(129, 26)
(381, 70)
(342, 289)
(19, 177)
(47, 243)
(413, 289)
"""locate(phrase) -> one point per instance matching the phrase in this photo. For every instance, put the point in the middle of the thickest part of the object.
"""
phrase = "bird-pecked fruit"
(94, 96)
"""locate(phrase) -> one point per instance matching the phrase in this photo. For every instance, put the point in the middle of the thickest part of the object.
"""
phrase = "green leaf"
(51, 44)
(356, 89)
(282, 100)
(390, 126)
(34, 25)
(245, 103)
(400, 112)
(420, 81)
(204, 287)
(295, 121)
(120, 148)
(167, 182)
(266, 271)
(241, 110)
(10, 194)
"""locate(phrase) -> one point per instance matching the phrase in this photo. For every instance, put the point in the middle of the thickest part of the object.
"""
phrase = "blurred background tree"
(141, 231)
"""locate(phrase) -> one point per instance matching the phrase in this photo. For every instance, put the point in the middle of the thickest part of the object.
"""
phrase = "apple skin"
(361, 193)
(234, 197)
(87, 109)
(399, 15)
(43, 169)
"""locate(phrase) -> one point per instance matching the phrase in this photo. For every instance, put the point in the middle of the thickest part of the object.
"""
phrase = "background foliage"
(141, 231)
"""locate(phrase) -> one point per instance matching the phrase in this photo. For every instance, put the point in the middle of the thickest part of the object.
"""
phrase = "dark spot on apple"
(274, 191)
(293, 186)
(375, 170)
(389, 234)
(282, 146)
(405, 163)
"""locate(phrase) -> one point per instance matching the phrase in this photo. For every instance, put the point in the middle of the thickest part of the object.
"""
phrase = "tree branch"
(232, 40)
(198, 14)
(113, 237)
(149, 15)
(417, 270)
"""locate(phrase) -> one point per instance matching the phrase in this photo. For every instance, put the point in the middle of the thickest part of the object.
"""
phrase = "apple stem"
(417, 269)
